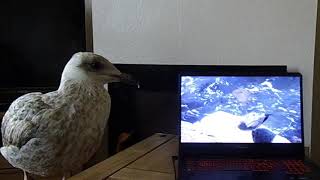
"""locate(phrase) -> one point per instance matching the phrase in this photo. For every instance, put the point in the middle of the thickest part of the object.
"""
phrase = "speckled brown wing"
(53, 133)
(18, 126)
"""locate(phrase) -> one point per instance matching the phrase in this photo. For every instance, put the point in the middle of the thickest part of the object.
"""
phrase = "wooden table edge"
(99, 172)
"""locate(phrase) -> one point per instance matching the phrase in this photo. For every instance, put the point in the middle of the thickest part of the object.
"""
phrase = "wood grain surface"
(132, 174)
(110, 166)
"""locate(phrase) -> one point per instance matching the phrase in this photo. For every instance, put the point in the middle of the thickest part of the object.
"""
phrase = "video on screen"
(246, 109)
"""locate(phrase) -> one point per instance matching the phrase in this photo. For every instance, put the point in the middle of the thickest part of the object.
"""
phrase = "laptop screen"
(241, 109)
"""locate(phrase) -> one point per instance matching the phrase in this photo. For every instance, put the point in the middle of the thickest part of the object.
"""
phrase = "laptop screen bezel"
(253, 150)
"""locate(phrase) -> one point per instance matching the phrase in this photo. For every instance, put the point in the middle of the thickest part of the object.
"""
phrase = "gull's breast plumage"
(53, 133)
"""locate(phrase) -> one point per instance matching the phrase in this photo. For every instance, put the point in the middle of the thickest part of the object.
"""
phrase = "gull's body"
(57, 132)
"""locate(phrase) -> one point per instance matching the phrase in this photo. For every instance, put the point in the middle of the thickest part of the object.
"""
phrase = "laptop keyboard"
(294, 167)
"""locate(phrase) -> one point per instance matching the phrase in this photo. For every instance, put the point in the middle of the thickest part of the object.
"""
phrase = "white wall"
(218, 32)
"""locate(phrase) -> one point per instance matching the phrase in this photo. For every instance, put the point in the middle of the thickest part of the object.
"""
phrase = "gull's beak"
(129, 79)
(113, 74)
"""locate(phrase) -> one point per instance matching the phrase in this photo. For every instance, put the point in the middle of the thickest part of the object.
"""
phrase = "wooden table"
(149, 159)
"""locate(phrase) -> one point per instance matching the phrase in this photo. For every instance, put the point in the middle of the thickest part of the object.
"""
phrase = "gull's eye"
(95, 65)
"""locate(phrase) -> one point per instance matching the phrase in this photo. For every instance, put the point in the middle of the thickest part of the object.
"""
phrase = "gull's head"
(88, 66)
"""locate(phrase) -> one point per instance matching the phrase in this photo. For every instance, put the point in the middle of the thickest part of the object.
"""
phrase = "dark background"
(154, 107)
(37, 38)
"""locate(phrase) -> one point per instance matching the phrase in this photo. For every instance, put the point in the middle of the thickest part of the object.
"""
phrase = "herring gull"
(55, 133)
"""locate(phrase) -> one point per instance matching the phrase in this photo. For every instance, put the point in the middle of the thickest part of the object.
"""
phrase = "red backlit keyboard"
(295, 167)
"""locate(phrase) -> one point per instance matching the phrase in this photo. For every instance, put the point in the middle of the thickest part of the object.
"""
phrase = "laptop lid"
(247, 115)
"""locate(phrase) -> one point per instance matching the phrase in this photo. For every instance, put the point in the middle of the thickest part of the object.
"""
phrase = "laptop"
(241, 126)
